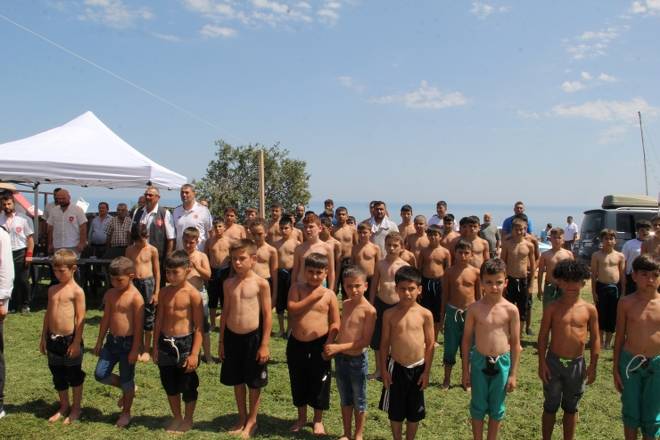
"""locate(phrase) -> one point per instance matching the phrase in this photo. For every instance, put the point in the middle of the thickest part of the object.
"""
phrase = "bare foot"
(296, 427)
(185, 426)
(124, 420)
(236, 429)
(173, 427)
(374, 376)
(318, 429)
(344, 437)
(248, 431)
(445, 385)
(144, 357)
(58, 415)
(74, 416)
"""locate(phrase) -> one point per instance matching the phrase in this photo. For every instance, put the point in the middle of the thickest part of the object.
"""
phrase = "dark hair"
(642, 224)
(310, 217)
(139, 232)
(316, 261)
(519, 221)
(219, 220)
(177, 259)
(328, 201)
(471, 220)
(341, 208)
(190, 232)
(243, 244)
(557, 231)
(326, 221)
(441, 203)
(285, 220)
(121, 266)
(408, 273)
(353, 271)
(378, 203)
(448, 217)
(64, 257)
(607, 233)
(104, 203)
(406, 208)
(493, 266)
(571, 270)
(258, 222)
(522, 217)
(230, 209)
(394, 235)
(646, 263)
(463, 245)
(433, 229)
(275, 205)
(364, 227)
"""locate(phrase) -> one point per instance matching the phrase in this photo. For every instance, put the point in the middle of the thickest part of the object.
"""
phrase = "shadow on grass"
(93, 320)
(43, 410)
(526, 344)
(267, 427)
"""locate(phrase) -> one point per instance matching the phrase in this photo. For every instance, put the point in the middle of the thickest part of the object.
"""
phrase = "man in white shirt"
(632, 249)
(438, 217)
(381, 225)
(22, 246)
(6, 285)
(191, 213)
(570, 233)
(67, 225)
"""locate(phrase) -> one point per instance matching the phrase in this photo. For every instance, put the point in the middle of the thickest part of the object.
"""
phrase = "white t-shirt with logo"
(66, 226)
(198, 217)
(19, 227)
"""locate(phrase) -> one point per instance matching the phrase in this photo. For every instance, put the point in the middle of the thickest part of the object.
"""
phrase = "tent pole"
(35, 218)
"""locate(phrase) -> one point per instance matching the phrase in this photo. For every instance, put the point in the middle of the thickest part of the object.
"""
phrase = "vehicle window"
(592, 224)
(644, 216)
(625, 226)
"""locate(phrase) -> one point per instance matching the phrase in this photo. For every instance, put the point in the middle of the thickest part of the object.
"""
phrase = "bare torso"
(353, 318)
(516, 256)
(234, 233)
(642, 324)
(462, 286)
(434, 261)
(217, 249)
(407, 334)
(176, 306)
(365, 255)
(123, 307)
(346, 236)
(313, 322)
(569, 327)
(142, 256)
(386, 286)
(242, 302)
(61, 308)
(493, 326)
(608, 266)
(286, 250)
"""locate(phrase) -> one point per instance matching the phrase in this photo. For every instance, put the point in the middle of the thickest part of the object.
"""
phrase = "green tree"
(232, 178)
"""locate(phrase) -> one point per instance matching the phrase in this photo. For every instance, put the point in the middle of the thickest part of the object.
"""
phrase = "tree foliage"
(232, 178)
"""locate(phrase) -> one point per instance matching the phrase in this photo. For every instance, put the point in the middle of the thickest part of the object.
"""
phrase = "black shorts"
(216, 293)
(378, 329)
(283, 286)
(608, 299)
(240, 365)
(404, 400)
(67, 372)
(172, 354)
(309, 373)
(343, 264)
(146, 287)
(431, 297)
(517, 292)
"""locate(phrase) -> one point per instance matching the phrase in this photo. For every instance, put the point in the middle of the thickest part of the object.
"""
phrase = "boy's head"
(364, 232)
(646, 273)
(230, 216)
(177, 266)
(463, 251)
(258, 230)
(243, 255)
(493, 276)
(434, 232)
(406, 213)
(311, 224)
(122, 271)
(518, 226)
(571, 276)
(469, 226)
(286, 226)
(393, 243)
(326, 225)
(65, 258)
(556, 237)
(276, 211)
(341, 214)
(351, 220)
(408, 284)
(420, 223)
(441, 208)
(316, 268)
(190, 238)
(218, 226)
(448, 222)
(607, 238)
(250, 214)
(139, 233)
(354, 281)
(643, 228)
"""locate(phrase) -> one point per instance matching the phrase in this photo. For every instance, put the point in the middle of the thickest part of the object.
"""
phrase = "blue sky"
(472, 102)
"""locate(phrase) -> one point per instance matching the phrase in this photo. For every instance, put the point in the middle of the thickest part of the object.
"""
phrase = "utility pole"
(641, 132)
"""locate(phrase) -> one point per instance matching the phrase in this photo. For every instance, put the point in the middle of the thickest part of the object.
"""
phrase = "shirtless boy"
(286, 249)
(366, 254)
(273, 232)
(233, 231)
(61, 336)
(312, 244)
(245, 334)
(406, 227)
(350, 352)
(326, 236)
(407, 350)
(217, 251)
(147, 281)
(460, 288)
(518, 255)
(314, 320)
(178, 328)
(548, 290)
(568, 322)
(417, 241)
(123, 318)
(448, 232)
(469, 230)
(266, 264)
(382, 292)
(652, 245)
(492, 367)
(347, 237)
(198, 276)
(608, 282)
(637, 352)
(433, 262)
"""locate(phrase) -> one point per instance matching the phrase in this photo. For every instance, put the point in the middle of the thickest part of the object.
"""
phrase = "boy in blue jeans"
(122, 322)
(491, 369)
(350, 351)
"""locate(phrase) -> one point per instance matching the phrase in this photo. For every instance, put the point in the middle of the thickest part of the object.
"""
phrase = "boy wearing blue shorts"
(491, 369)
(122, 321)
(350, 351)
(637, 351)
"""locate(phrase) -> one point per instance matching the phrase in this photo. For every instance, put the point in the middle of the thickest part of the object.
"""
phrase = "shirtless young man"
(326, 236)
(312, 244)
(217, 251)
(382, 292)
(245, 334)
(350, 352)
(286, 249)
(518, 255)
(347, 237)
(548, 290)
(469, 230)
(492, 331)
(637, 351)
(147, 281)
(407, 350)
(198, 276)
(233, 231)
(418, 240)
(460, 288)
(448, 232)
(266, 264)
(568, 322)
(366, 254)
(406, 227)
(433, 262)
(179, 322)
(61, 336)
(314, 320)
(273, 229)
(652, 244)
(123, 318)
(608, 282)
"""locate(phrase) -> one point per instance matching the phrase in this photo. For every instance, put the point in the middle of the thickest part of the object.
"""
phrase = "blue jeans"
(351, 373)
(116, 350)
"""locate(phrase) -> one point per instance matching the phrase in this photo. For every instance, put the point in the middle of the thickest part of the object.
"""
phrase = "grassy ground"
(30, 398)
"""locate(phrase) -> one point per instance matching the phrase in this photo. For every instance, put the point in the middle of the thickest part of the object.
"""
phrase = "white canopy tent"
(82, 152)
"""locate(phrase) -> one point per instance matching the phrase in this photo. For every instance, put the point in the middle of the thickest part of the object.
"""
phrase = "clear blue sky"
(470, 102)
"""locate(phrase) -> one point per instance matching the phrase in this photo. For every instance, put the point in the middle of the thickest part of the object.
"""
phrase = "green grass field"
(30, 398)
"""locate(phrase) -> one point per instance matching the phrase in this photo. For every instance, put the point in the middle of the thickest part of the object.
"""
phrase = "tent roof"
(82, 152)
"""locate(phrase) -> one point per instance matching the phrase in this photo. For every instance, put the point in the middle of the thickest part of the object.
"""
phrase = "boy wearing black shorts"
(286, 248)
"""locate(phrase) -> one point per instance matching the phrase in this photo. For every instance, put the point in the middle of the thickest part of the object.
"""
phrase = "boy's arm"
(273, 264)
(544, 332)
(296, 305)
(155, 268)
(594, 339)
(331, 268)
(539, 278)
(444, 297)
(466, 343)
(477, 287)
(103, 326)
(331, 350)
(44, 328)
(296, 264)
(385, 350)
(532, 264)
(429, 345)
(619, 339)
(486, 252)
(157, 326)
(375, 281)
(504, 255)
(622, 274)
(204, 268)
(594, 276)
(79, 307)
(198, 322)
(138, 329)
(379, 253)
(333, 320)
(263, 354)
(515, 348)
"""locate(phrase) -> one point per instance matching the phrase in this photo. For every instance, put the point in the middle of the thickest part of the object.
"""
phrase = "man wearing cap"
(22, 246)
(191, 213)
